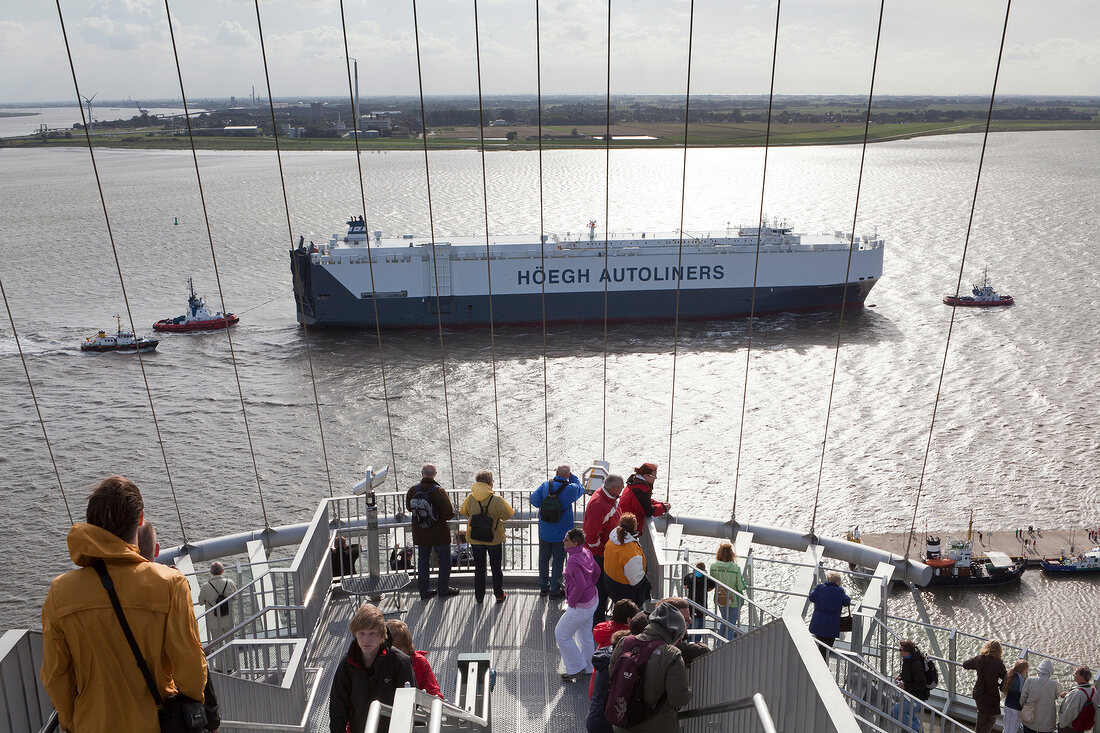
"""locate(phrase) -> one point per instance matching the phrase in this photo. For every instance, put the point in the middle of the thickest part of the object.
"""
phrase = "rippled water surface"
(1016, 432)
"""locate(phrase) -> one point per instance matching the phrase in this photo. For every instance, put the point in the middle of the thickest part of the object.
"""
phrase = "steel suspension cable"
(958, 283)
(214, 259)
(370, 256)
(680, 252)
(542, 242)
(34, 399)
(606, 228)
(118, 268)
(488, 254)
(431, 231)
(290, 234)
(756, 265)
(847, 270)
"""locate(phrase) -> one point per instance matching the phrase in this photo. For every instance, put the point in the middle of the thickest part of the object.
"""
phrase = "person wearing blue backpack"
(554, 499)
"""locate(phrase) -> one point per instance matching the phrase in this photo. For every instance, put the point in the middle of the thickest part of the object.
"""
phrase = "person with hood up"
(987, 686)
(637, 498)
(1081, 695)
(483, 501)
(88, 669)
(573, 631)
(1041, 691)
(555, 519)
(624, 563)
(828, 599)
(371, 670)
(601, 518)
(666, 678)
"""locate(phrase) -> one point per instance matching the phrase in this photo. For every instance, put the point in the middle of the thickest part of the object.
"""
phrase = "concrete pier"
(1047, 542)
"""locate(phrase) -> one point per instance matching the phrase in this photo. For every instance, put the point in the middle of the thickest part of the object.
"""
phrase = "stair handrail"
(755, 701)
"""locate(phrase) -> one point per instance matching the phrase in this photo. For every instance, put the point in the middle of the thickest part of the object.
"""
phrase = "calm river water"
(1016, 435)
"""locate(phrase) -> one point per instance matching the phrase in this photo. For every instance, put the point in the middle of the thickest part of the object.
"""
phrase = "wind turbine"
(89, 101)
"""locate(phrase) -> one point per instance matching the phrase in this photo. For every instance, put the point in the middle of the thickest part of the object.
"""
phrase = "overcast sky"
(121, 48)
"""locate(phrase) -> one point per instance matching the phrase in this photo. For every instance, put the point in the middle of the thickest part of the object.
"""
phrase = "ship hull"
(215, 324)
(322, 300)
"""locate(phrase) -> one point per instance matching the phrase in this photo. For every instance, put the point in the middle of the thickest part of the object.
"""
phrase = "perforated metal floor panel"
(519, 635)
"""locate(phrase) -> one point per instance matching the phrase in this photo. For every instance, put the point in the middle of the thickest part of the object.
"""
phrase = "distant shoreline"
(699, 136)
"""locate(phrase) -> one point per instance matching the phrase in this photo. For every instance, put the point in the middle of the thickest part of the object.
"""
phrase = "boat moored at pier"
(1084, 562)
(417, 282)
(954, 565)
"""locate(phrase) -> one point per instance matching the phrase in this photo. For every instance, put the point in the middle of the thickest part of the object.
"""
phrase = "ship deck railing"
(273, 667)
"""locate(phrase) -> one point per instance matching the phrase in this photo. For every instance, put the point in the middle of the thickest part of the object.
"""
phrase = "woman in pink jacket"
(574, 629)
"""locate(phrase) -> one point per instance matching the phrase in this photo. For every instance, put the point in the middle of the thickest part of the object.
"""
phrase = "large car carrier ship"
(410, 283)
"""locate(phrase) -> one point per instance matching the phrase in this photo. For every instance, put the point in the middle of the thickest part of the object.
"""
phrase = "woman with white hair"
(828, 599)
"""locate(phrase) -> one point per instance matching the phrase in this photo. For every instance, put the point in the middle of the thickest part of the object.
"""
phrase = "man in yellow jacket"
(87, 665)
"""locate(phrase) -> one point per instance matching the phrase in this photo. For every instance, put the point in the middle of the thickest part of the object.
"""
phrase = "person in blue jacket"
(828, 599)
(555, 519)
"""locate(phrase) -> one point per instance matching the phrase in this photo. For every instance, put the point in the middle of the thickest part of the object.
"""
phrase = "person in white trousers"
(574, 629)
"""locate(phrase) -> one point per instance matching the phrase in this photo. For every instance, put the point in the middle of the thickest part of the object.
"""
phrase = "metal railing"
(416, 709)
(780, 661)
(756, 703)
(24, 704)
(879, 704)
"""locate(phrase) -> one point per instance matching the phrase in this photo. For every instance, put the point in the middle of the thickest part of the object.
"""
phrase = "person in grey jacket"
(1043, 692)
(1081, 695)
(665, 673)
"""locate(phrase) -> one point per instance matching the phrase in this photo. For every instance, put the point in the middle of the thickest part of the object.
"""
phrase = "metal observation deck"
(498, 664)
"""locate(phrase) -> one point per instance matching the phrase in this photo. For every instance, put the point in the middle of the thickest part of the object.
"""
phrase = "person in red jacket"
(402, 639)
(601, 517)
(638, 499)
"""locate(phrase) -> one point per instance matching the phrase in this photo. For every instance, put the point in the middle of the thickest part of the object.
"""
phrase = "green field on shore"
(664, 135)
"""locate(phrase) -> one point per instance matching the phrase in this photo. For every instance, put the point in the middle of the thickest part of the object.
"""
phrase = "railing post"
(374, 565)
(750, 592)
(952, 653)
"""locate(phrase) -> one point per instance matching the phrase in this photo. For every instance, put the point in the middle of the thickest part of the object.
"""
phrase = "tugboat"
(197, 317)
(1085, 562)
(984, 296)
(954, 565)
(121, 341)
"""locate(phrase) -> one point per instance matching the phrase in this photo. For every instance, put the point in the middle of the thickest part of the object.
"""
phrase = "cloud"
(234, 35)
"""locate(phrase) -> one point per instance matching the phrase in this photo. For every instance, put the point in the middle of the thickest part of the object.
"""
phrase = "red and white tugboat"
(984, 296)
(120, 341)
(197, 317)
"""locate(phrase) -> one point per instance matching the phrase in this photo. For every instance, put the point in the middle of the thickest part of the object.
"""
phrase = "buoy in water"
(177, 221)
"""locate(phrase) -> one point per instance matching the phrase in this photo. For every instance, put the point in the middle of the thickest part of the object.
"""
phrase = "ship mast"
(970, 527)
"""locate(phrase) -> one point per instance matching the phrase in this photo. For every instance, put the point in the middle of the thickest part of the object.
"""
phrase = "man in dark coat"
(430, 510)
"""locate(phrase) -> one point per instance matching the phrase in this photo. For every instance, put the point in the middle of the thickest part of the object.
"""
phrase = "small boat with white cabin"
(125, 341)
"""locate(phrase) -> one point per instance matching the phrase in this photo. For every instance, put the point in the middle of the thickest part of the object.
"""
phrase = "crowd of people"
(122, 649)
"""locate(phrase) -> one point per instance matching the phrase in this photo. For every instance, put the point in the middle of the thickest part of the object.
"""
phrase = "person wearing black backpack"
(554, 499)
(213, 595)
(485, 532)
(913, 678)
(429, 510)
